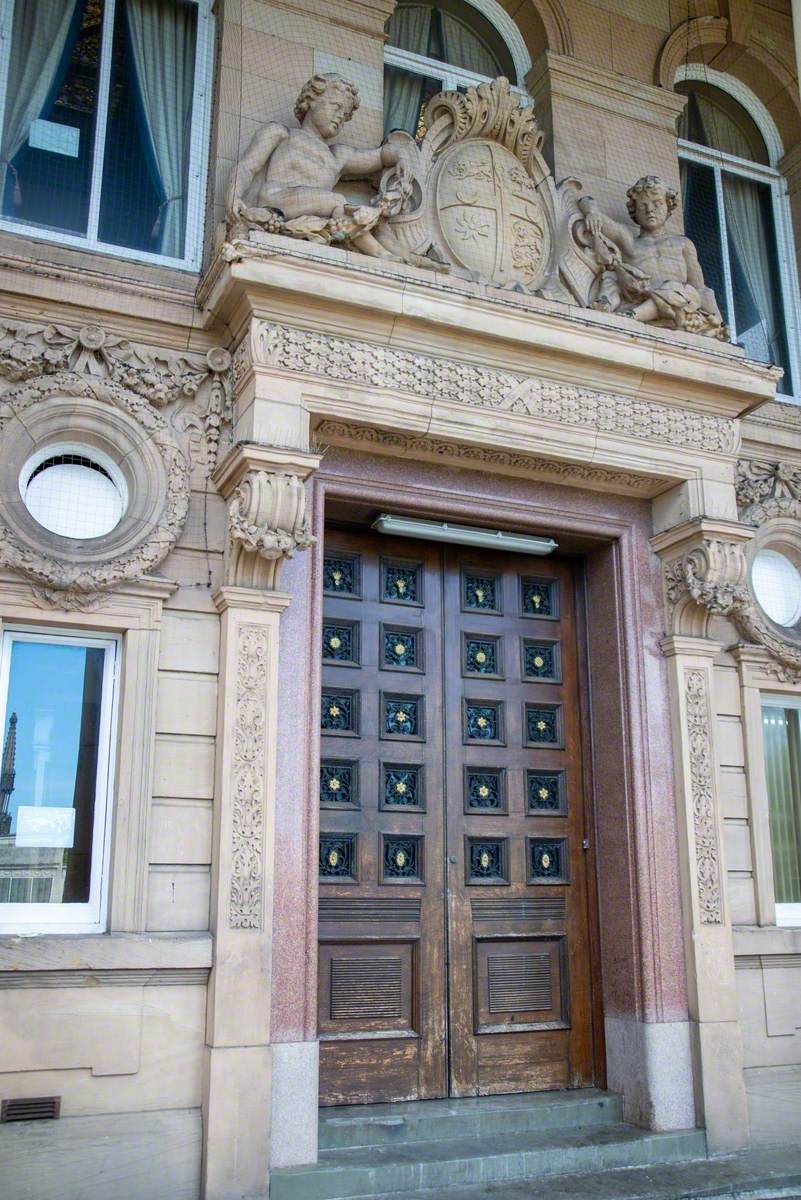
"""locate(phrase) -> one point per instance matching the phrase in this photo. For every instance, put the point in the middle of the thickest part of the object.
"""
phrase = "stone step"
(762, 1173)
(344, 1174)
(482, 1116)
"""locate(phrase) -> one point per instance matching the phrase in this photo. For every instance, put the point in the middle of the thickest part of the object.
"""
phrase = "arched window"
(735, 211)
(453, 44)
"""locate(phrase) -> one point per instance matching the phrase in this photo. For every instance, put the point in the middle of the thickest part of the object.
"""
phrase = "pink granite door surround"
(642, 1001)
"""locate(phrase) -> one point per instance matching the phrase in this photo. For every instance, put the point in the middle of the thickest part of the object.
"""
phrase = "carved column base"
(720, 1096)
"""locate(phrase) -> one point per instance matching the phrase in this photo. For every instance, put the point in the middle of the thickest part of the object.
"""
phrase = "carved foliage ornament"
(707, 853)
(267, 523)
(441, 379)
(250, 741)
(766, 490)
(161, 377)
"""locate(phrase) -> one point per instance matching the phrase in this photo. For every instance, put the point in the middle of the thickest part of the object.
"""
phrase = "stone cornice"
(327, 289)
(606, 90)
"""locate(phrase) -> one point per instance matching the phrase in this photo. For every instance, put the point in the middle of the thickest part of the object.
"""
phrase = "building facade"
(400, 572)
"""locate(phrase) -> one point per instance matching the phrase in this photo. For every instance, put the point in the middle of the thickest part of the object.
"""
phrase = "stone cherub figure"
(650, 275)
(287, 180)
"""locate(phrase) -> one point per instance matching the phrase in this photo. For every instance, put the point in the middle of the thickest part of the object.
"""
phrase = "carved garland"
(707, 853)
(372, 366)
(76, 582)
(161, 377)
(249, 747)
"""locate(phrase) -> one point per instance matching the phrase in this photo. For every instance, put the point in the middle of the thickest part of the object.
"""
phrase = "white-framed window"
(737, 213)
(781, 739)
(58, 704)
(105, 124)
(450, 45)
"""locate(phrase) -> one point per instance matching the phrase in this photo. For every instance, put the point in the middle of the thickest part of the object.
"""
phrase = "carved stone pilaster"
(707, 848)
(267, 520)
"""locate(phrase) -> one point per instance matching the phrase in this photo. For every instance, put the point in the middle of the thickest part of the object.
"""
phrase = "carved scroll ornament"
(712, 578)
(267, 523)
(199, 384)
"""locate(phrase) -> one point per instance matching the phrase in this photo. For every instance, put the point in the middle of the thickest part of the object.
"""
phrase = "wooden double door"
(454, 952)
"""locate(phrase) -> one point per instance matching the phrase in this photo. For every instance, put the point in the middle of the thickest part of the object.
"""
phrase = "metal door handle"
(452, 859)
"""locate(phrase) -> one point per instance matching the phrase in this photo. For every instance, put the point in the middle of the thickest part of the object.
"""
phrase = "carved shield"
(490, 215)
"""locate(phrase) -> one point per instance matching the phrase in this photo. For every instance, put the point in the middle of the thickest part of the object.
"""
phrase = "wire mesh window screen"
(730, 217)
(780, 730)
(102, 133)
(445, 45)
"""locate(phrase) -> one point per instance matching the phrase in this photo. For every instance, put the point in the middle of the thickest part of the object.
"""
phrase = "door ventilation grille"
(369, 910)
(519, 982)
(366, 989)
(30, 1108)
(544, 909)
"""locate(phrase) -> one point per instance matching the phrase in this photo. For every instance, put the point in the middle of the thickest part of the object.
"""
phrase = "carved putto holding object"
(474, 197)
(653, 276)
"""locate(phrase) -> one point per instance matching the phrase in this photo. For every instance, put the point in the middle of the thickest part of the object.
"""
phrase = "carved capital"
(267, 519)
(267, 523)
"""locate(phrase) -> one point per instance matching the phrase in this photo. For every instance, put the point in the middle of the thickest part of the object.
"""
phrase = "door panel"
(451, 815)
(517, 905)
(517, 901)
(382, 936)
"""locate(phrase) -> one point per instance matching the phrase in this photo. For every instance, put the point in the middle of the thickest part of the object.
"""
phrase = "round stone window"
(776, 581)
(75, 491)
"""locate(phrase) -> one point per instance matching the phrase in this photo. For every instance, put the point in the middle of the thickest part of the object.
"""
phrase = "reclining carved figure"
(650, 275)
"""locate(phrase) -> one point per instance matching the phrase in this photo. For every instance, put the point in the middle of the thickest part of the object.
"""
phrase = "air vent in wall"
(30, 1108)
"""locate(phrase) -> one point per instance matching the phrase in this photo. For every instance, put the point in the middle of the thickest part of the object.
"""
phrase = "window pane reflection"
(49, 771)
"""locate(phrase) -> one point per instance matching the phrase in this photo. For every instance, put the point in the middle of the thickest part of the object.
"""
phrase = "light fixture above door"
(463, 535)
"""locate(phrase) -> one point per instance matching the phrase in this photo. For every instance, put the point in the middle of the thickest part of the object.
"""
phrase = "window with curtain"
(781, 735)
(104, 123)
(733, 211)
(433, 47)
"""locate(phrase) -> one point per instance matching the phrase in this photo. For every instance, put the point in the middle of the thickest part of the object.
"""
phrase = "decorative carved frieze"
(248, 778)
(161, 377)
(310, 353)
(367, 437)
(707, 851)
(267, 523)
(766, 490)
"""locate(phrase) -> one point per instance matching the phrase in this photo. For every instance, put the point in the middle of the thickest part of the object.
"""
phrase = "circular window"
(777, 587)
(75, 491)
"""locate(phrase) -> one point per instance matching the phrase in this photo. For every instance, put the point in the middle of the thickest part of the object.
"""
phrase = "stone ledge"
(332, 291)
(132, 952)
(767, 940)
